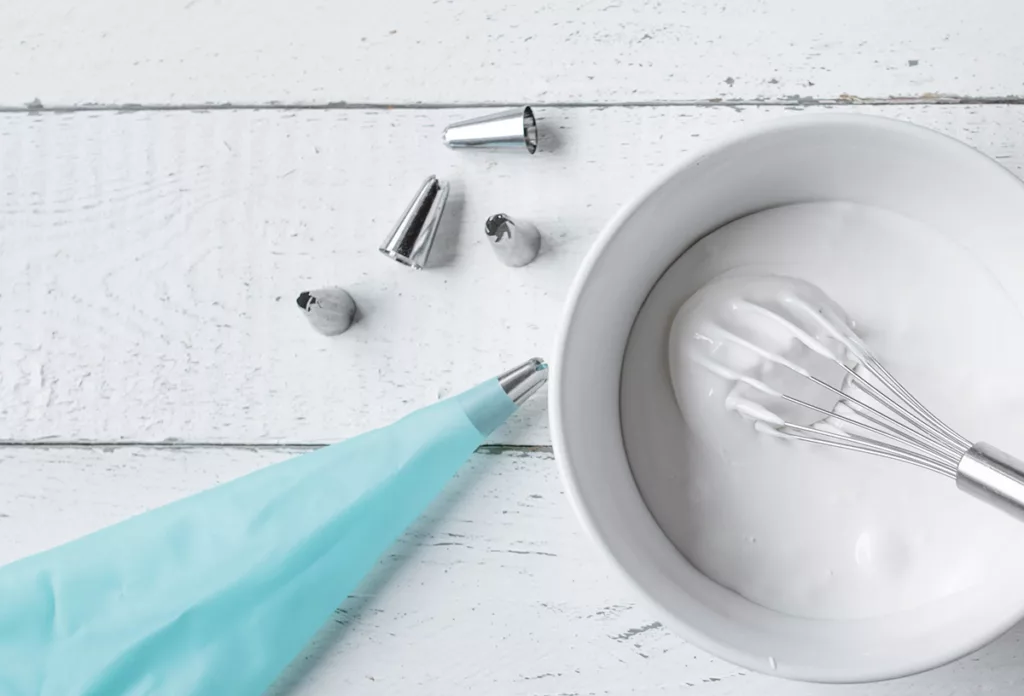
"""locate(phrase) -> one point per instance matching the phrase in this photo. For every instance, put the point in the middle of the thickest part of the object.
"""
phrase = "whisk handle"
(993, 476)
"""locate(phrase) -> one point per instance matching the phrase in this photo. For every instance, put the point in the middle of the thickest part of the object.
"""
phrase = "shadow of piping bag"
(216, 593)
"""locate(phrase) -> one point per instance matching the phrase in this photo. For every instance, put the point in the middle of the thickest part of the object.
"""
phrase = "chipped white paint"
(496, 590)
(149, 262)
(62, 52)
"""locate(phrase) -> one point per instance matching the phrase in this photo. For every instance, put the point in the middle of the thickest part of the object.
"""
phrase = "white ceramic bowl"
(869, 160)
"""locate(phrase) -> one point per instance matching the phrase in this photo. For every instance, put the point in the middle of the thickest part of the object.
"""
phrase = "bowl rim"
(914, 664)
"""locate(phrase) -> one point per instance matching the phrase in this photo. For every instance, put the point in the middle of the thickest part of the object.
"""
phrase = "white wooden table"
(174, 172)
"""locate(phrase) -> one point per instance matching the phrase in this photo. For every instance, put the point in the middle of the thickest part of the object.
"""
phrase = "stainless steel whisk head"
(871, 411)
(897, 426)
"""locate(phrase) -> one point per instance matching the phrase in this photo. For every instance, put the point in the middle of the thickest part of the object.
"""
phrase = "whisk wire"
(867, 446)
(935, 431)
(882, 430)
(895, 430)
(897, 408)
(893, 427)
(910, 432)
(886, 378)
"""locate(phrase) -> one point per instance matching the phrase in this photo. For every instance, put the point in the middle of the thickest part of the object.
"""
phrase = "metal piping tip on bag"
(216, 593)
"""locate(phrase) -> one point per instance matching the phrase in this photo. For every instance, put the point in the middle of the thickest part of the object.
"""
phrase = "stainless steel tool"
(523, 381)
(515, 242)
(872, 413)
(514, 129)
(411, 240)
(331, 311)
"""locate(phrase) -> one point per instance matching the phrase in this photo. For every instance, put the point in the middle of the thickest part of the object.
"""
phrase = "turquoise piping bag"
(216, 593)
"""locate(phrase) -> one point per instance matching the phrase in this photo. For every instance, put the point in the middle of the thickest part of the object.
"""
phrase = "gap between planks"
(495, 448)
(928, 98)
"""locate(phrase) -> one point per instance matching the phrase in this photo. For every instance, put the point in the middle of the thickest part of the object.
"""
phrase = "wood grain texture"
(61, 53)
(496, 590)
(149, 262)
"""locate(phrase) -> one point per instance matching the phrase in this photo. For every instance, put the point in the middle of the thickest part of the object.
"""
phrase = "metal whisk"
(873, 413)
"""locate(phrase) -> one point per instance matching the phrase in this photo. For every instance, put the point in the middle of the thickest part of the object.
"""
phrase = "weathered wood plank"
(58, 53)
(149, 262)
(496, 590)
